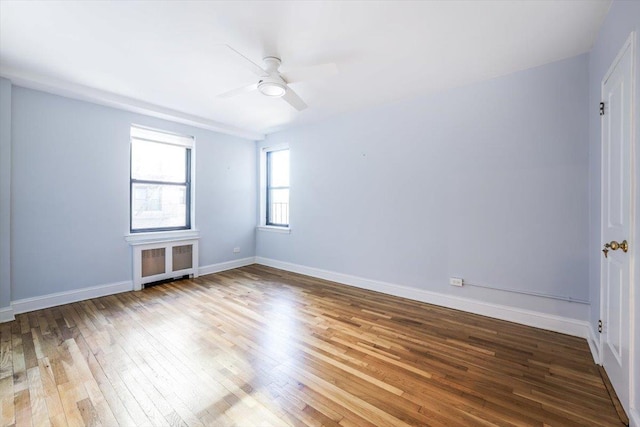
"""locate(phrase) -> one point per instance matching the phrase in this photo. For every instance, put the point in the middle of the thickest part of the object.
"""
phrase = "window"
(160, 181)
(277, 187)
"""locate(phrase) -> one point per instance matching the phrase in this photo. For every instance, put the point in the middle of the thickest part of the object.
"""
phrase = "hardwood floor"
(257, 346)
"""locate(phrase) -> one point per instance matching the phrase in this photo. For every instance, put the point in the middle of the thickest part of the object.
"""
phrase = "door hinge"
(602, 108)
(600, 326)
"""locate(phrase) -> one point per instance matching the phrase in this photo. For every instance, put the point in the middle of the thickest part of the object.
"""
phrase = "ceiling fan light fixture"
(271, 88)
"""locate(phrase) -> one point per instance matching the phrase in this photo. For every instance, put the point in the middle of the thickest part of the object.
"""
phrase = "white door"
(616, 221)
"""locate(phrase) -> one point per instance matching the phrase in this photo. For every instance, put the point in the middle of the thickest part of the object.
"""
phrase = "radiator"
(161, 260)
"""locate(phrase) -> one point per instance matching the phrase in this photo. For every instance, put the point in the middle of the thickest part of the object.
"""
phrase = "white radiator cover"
(160, 256)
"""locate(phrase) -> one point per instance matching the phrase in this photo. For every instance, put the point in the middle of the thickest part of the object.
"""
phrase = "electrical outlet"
(236, 250)
(455, 281)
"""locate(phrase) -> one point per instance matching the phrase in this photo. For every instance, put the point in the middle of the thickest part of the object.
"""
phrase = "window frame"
(263, 222)
(167, 138)
(269, 187)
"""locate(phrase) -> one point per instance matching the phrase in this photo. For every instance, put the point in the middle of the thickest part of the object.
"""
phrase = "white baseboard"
(223, 266)
(6, 314)
(52, 300)
(594, 343)
(634, 418)
(536, 319)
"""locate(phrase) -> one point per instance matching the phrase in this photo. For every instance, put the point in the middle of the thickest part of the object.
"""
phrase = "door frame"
(634, 235)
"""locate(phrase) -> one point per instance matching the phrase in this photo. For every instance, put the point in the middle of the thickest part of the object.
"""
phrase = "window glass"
(277, 188)
(157, 161)
(160, 181)
(158, 206)
(279, 207)
(279, 168)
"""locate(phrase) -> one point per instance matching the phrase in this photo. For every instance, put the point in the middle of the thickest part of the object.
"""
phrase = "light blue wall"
(5, 193)
(70, 190)
(622, 19)
(487, 182)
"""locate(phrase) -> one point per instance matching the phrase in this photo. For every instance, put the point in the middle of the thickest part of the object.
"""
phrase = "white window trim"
(160, 236)
(176, 139)
(262, 221)
(274, 229)
(161, 136)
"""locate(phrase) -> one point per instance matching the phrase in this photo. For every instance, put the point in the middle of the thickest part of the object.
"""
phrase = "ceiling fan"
(275, 84)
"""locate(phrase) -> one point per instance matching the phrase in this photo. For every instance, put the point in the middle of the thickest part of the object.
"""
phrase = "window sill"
(274, 229)
(160, 236)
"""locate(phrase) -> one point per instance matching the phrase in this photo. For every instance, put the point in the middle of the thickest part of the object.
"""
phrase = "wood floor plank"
(7, 401)
(39, 412)
(55, 409)
(70, 394)
(20, 381)
(23, 408)
(6, 363)
(258, 346)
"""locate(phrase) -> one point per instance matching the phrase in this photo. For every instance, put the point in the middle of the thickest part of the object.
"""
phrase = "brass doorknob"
(614, 246)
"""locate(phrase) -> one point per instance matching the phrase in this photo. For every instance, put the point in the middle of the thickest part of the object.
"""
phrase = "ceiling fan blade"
(294, 100)
(238, 91)
(310, 73)
(258, 70)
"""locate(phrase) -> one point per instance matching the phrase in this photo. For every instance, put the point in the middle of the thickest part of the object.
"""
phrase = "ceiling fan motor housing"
(272, 64)
(272, 85)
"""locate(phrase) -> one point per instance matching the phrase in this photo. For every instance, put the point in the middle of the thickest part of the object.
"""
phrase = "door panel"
(616, 155)
(615, 291)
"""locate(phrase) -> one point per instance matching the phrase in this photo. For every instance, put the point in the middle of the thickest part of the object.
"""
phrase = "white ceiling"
(170, 54)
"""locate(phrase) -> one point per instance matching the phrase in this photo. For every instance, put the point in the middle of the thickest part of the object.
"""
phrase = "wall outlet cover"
(455, 281)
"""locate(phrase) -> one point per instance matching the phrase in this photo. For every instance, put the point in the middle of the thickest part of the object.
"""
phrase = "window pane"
(279, 206)
(158, 162)
(158, 206)
(279, 168)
